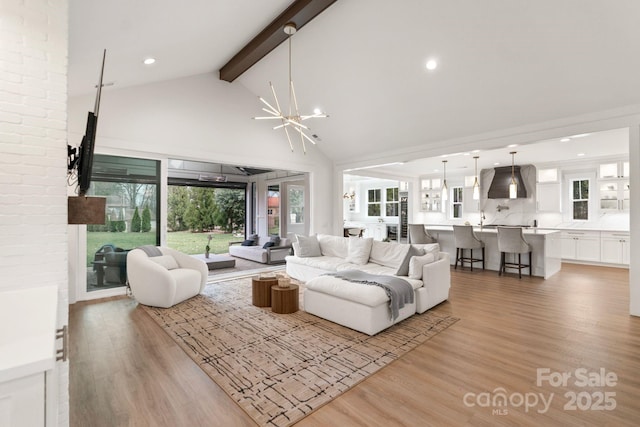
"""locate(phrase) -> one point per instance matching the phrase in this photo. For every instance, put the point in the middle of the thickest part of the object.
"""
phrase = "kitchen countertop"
(608, 230)
(27, 331)
(559, 228)
(493, 230)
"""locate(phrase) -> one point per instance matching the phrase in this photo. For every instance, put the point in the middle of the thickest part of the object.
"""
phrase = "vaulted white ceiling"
(502, 64)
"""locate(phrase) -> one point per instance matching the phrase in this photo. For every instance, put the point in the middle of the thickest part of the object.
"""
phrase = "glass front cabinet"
(614, 195)
(614, 186)
(430, 195)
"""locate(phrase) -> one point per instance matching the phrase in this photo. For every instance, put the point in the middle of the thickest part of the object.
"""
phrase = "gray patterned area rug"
(281, 367)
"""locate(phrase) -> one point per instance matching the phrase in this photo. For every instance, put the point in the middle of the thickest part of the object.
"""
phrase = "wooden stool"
(284, 300)
(261, 291)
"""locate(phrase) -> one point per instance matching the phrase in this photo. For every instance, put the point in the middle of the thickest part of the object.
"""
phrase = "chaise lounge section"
(359, 306)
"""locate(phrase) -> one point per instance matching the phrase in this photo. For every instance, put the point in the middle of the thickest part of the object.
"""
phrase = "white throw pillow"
(430, 248)
(335, 246)
(389, 254)
(403, 270)
(359, 250)
(167, 261)
(307, 246)
(417, 262)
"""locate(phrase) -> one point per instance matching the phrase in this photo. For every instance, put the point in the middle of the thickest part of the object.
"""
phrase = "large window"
(273, 209)
(374, 202)
(296, 204)
(131, 188)
(392, 203)
(580, 199)
(456, 202)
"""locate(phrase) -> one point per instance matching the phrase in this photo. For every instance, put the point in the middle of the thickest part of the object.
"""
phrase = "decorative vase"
(206, 254)
(284, 282)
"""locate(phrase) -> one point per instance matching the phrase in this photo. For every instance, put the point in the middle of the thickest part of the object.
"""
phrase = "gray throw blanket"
(150, 250)
(399, 291)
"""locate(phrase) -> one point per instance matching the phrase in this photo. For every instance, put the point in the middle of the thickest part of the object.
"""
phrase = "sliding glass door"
(131, 187)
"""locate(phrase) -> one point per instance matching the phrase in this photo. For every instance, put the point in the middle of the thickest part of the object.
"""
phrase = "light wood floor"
(126, 371)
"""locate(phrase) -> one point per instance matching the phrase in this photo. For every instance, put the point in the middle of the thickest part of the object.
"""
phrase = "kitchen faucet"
(482, 218)
(501, 208)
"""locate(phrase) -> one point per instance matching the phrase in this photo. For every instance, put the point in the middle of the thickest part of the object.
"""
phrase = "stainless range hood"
(499, 188)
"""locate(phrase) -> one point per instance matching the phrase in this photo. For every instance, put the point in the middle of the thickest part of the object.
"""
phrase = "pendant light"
(513, 186)
(445, 190)
(476, 185)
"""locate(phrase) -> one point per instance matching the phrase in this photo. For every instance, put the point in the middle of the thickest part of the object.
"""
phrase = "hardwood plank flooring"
(125, 371)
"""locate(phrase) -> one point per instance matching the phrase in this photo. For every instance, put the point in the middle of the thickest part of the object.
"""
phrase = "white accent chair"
(465, 238)
(418, 235)
(165, 280)
(511, 240)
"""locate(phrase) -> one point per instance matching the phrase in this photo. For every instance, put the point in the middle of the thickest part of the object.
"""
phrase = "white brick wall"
(33, 139)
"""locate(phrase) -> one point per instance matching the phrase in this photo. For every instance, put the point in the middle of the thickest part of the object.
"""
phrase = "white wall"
(634, 181)
(33, 153)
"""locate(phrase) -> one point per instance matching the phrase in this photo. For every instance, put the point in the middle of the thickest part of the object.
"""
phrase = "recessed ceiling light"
(580, 135)
(432, 64)
(149, 61)
(496, 163)
(317, 111)
(565, 140)
(512, 145)
(580, 154)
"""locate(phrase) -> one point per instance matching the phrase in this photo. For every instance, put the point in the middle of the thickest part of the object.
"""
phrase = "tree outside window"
(373, 202)
(456, 202)
(392, 205)
(296, 204)
(580, 199)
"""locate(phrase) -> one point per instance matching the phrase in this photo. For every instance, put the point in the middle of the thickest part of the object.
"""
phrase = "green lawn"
(194, 243)
(183, 241)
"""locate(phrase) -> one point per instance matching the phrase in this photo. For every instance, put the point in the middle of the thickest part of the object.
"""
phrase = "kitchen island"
(546, 248)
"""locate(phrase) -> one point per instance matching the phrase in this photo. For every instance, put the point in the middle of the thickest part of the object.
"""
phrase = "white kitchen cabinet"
(614, 247)
(548, 175)
(22, 401)
(614, 170)
(581, 245)
(430, 195)
(549, 197)
(377, 231)
(614, 195)
(27, 354)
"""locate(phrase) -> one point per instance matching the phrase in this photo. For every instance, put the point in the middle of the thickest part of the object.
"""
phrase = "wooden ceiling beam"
(299, 12)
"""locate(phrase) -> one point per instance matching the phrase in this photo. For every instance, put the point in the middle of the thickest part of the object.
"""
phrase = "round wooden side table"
(284, 300)
(261, 291)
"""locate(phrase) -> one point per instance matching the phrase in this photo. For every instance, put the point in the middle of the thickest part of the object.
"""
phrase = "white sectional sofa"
(359, 306)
